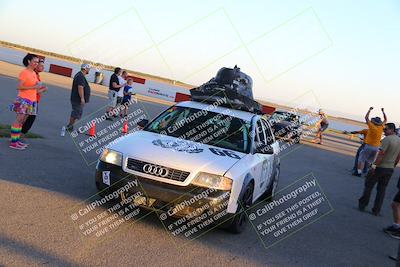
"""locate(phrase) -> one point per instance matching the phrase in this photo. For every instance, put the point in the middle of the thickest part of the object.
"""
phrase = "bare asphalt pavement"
(39, 187)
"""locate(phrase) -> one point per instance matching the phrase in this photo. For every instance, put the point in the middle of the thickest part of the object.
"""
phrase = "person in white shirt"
(122, 80)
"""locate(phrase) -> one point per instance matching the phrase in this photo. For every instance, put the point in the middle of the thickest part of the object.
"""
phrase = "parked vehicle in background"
(286, 126)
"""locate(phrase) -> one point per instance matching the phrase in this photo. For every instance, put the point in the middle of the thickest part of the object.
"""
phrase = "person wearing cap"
(323, 124)
(80, 95)
(381, 171)
(372, 140)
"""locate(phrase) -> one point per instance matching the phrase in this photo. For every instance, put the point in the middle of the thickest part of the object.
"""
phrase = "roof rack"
(229, 88)
(225, 97)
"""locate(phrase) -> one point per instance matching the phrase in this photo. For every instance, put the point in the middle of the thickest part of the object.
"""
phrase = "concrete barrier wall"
(150, 88)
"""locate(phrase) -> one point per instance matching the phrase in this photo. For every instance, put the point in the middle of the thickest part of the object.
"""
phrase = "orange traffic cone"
(125, 128)
(92, 130)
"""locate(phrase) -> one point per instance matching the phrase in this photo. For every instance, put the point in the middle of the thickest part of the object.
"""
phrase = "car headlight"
(111, 156)
(212, 181)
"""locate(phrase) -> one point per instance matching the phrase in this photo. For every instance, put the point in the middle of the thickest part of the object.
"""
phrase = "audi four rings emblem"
(155, 170)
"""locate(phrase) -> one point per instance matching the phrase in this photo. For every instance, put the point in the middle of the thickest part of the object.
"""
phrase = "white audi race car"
(190, 148)
(216, 152)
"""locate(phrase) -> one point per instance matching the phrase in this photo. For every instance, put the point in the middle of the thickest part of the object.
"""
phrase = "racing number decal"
(223, 153)
(266, 172)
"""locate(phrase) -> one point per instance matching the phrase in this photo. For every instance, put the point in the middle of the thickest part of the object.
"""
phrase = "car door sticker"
(223, 153)
(179, 145)
(106, 177)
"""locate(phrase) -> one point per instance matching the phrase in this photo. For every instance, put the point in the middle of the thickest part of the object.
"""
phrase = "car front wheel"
(269, 194)
(239, 221)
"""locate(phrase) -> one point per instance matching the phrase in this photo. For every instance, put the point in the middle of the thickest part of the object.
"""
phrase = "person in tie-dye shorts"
(26, 102)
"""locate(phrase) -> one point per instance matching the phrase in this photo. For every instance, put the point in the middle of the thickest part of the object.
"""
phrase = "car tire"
(239, 221)
(269, 194)
(100, 192)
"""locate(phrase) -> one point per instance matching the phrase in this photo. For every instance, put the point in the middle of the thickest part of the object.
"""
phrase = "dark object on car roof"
(231, 84)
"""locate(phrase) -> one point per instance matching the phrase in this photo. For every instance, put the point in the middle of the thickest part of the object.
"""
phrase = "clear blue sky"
(340, 55)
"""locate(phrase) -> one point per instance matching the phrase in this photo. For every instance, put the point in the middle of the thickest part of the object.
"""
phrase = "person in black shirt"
(114, 87)
(80, 95)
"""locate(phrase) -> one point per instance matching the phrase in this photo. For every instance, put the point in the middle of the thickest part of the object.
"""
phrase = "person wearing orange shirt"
(31, 118)
(26, 102)
(372, 141)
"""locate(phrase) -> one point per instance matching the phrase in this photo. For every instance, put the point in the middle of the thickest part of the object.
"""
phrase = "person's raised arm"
(384, 116)
(367, 115)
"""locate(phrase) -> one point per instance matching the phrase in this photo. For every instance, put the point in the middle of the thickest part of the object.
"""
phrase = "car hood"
(176, 153)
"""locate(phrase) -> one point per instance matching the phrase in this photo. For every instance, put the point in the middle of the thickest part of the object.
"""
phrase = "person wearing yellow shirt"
(372, 140)
(381, 171)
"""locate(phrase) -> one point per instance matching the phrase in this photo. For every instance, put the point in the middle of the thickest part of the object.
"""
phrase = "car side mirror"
(265, 149)
(143, 123)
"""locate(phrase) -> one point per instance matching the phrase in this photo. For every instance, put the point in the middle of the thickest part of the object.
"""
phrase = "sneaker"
(21, 143)
(356, 174)
(16, 146)
(376, 213)
(63, 129)
(69, 128)
(361, 207)
(391, 229)
(395, 234)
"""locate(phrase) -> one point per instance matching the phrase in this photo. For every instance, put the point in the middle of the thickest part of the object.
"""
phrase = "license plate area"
(143, 201)
(140, 200)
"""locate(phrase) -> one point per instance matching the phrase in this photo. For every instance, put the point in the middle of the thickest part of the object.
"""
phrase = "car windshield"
(203, 126)
(284, 116)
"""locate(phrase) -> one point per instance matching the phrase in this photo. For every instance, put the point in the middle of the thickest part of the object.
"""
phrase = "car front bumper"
(176, 201)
